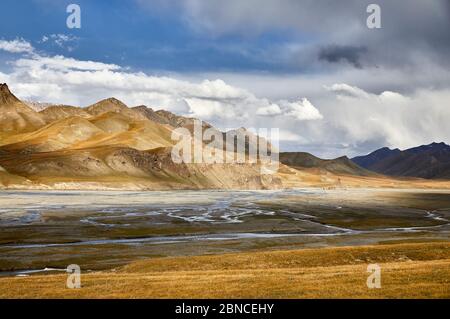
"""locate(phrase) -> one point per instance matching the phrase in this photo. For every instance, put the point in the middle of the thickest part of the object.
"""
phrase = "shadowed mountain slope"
(341, 165)
(374, 157)
(427, 161)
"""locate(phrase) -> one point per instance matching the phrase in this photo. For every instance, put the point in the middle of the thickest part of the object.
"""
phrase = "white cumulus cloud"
(338, 119)
(60, 79)
(16, 46)
(302, 110)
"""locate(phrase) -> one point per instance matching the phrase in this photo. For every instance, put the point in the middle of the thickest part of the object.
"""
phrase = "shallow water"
(104, 229)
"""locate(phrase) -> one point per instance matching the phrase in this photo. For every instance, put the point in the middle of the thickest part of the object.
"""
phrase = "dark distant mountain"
(427, 161)
(375, 157)
(341, 165)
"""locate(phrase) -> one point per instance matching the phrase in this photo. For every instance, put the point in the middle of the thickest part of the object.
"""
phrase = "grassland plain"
(408, 270)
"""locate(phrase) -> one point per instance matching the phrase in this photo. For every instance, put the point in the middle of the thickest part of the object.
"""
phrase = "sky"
(312, 69)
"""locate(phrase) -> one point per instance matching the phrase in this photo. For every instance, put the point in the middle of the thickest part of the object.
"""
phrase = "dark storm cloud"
(412, 30)
(343, 53)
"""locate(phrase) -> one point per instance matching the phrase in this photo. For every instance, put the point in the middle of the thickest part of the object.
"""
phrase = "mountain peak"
(430, 147)
(16, 116)
(424, 161)
(107, 105)
(112, 100)
(143, 108)
(6, 97)
(368, 160)
(439, 144)
(386, 150)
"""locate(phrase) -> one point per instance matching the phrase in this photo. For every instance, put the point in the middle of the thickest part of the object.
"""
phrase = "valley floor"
(408, 270)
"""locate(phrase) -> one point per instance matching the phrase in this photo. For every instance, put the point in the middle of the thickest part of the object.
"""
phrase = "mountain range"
(341, 165)
(105, 145)
(108, 145)
(427, 161)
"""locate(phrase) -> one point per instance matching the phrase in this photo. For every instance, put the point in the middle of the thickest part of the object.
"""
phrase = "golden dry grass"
(420, 270)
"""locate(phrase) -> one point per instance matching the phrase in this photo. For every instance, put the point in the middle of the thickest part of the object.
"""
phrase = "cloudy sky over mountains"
(311, 68)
